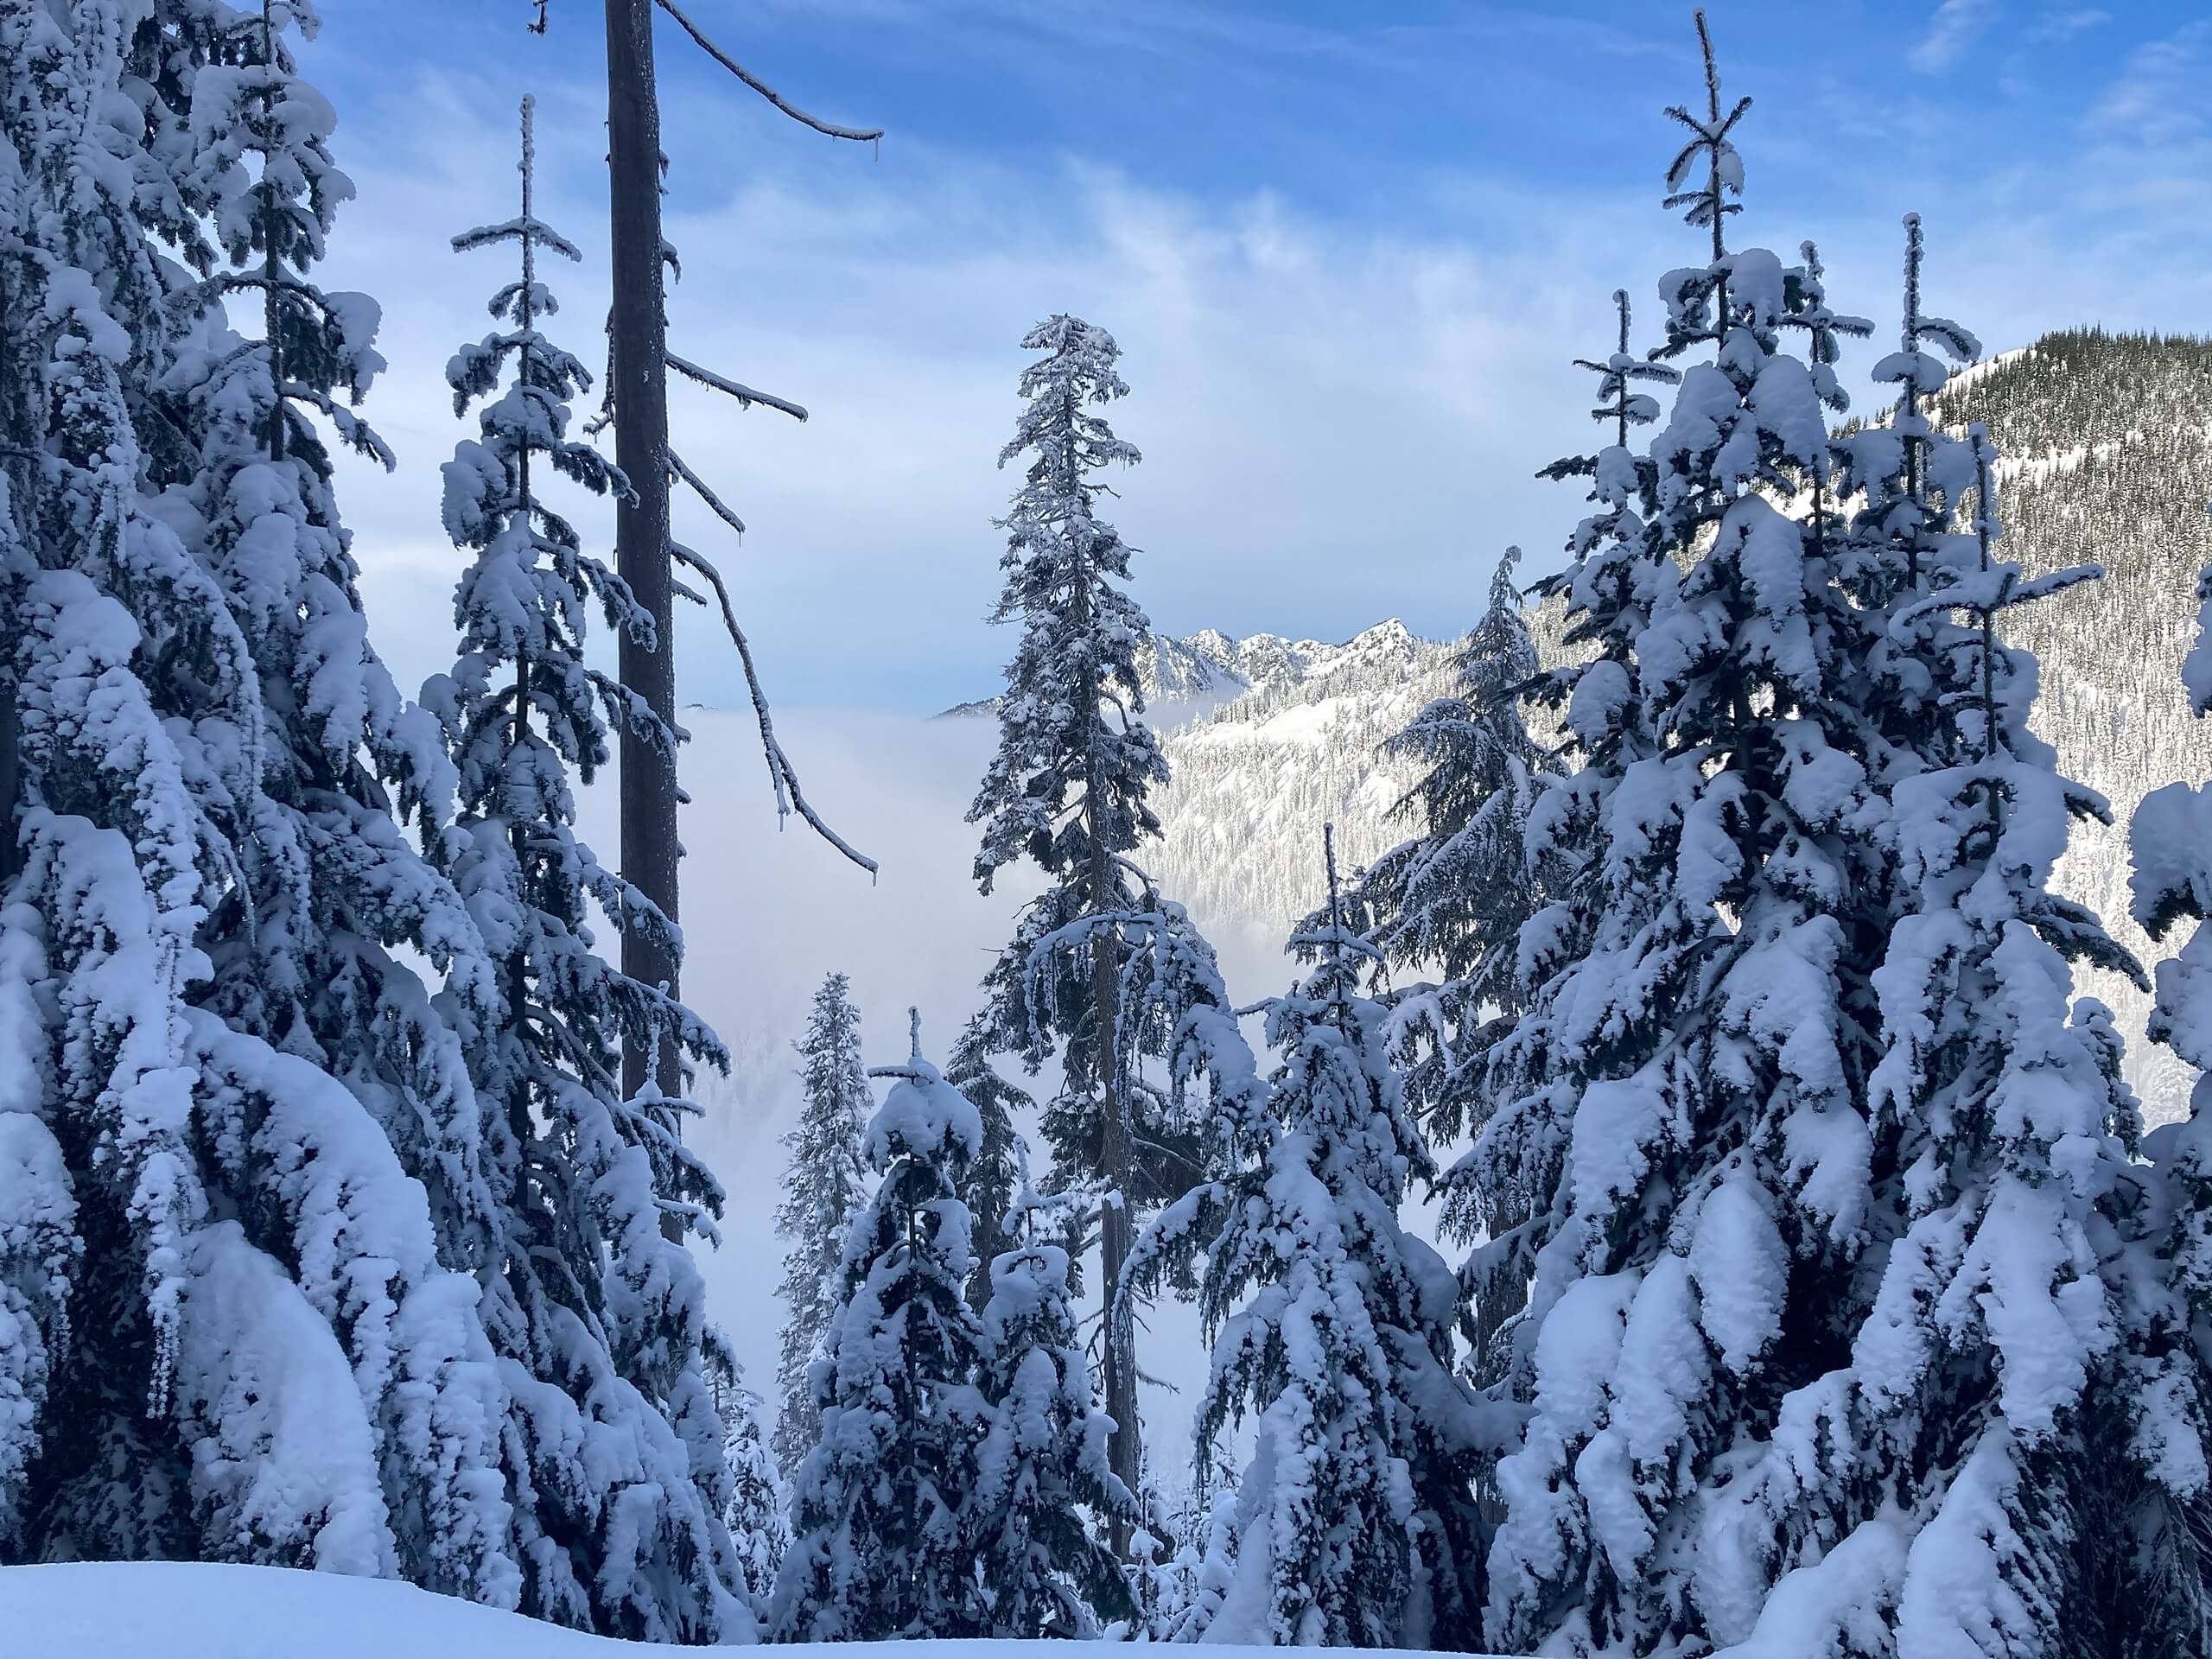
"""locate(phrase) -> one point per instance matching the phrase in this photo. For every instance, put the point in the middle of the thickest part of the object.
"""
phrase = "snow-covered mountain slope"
(1269, 739)
(1257, 774)
(2107, 459)
(173, 1610)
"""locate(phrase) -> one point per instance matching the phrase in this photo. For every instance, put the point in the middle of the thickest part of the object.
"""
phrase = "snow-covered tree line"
(327, 1237)
(1825, 1295)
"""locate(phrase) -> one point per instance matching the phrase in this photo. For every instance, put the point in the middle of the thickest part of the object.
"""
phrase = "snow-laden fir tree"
(995, 1178)
(2166, 1526)
(1044, 1491)
(757, 1509)
(1950, 1487)
(1680, 1107)
(1355, 1524)
(2003, 1456)
(231, 1336)
(614, 1448)
(1455, 896)
(884, 1548)
(825, 1185)
(1066, 790)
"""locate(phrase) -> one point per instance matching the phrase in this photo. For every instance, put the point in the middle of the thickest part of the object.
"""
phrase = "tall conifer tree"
(825, 1187)
(231, 1335)
(1456, 896)
(1068, 792)
(615, 1447)
(1680, 1102)
(1355, 1524)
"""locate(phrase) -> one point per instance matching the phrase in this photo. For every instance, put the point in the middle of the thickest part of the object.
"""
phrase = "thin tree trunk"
(8, 784)
(641, 373)
(1125, 1447)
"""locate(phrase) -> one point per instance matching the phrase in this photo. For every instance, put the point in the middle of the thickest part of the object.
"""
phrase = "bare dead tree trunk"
(639, 340)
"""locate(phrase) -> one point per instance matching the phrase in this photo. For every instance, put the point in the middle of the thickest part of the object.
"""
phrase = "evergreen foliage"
(1067, 791)
(1680, 1107)
(825, 1187)
(1042, 1479)
(995, 1180)
(231, 1335)
(885, 1547)
(757, 1509)
(1355, 1524)
(614, 1445)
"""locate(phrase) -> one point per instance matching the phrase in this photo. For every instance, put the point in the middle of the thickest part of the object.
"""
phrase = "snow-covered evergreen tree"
(2006, 1455)
(614, 1448)
(1680, 1105)
(230, 1333)
(1355, 1524)
(757, 1509)
(884, 1546)
(1066, 790)
(1043, 1486)
(1944, 1490)
(1455, 896)
(2162, 1438)
(1457, 893)
(825, 1185)
(995, 1178)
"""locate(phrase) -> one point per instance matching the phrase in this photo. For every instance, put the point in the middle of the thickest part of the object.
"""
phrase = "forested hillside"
(2107, 459)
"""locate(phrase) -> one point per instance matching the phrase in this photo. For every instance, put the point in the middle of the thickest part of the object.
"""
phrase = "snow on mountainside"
(2107, 459)
(1268, 738)
(173, 1610)
(1257, 774)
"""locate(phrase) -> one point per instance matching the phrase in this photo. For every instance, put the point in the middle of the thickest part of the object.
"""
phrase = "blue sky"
(1347, 249)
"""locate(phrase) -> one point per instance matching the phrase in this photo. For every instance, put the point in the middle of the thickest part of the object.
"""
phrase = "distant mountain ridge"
(1268, 738)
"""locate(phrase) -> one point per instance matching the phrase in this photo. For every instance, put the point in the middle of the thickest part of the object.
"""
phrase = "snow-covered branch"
(705, 491)
(745, 395)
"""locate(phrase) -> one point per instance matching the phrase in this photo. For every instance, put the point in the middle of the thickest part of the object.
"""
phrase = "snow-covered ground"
(179, 1611)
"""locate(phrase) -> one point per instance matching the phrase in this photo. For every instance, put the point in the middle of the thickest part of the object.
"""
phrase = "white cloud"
(2056, 26)
(1339, 417)
(1953, 29)
(2156, 104)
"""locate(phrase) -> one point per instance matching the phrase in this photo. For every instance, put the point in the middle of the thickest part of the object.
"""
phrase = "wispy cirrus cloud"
(2054, 27)
(1950, 32)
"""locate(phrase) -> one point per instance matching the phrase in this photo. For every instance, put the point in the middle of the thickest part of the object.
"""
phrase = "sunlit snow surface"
(123, 1611)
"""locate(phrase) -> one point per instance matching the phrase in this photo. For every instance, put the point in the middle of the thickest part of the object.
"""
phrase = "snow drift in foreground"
(195, 1611)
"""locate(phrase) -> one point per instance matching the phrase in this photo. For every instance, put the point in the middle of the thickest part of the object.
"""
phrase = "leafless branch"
(744, 394)
(782, 775)
(858, 134)
(715, 502)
